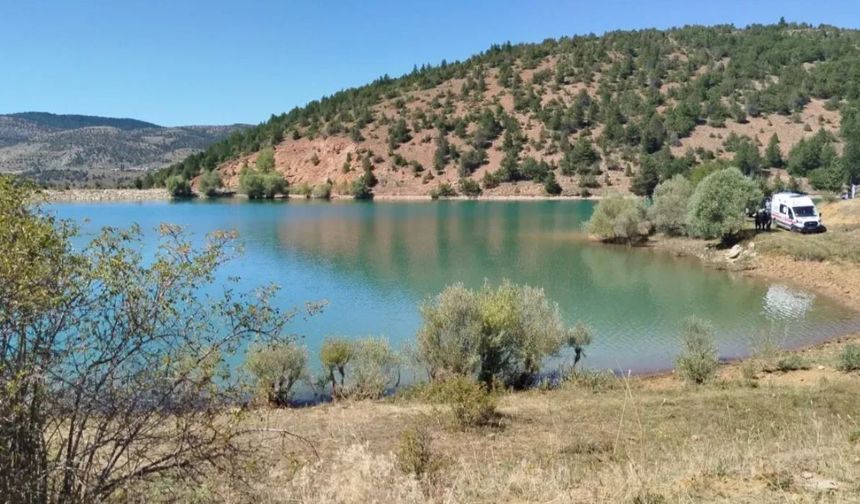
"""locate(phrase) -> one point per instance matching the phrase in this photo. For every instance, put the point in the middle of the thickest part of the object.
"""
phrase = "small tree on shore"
(619, 220)
(719, 206)
(277, 367)
(669, 211)
(335, 356)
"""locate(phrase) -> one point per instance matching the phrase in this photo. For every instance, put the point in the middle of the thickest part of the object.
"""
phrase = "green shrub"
(276, 368)
(550, 185)
(792, 362)
(619, 220)
(178, 187)
(443, 190)
(335, 355)
(259, 184)
(669, 211)
(373, 369)
(719, 205)
(472, 405)
(303, 189)
(469, 187)
(698, 361)
(361, 188)
(500, 335)
(210, 182)
(266, 160)
(414, 453)
(850, 358)
(322, 191)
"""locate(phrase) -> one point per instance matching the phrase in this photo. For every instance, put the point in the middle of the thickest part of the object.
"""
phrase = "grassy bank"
(750, 437)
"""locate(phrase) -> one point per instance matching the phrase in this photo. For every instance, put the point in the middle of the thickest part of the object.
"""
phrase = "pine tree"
(773, 156)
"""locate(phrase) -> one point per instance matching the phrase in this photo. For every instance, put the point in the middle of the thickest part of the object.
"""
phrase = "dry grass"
(843, 246)
(841, 242)
(639, 440)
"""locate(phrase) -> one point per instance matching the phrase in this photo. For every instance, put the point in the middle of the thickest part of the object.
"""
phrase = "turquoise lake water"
(374, 262)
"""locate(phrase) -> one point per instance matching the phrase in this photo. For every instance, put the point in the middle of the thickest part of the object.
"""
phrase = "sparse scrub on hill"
(618, 219)
(639, 105)
(698, 360)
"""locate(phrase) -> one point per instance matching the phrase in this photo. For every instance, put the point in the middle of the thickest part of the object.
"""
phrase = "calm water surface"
(374, 262)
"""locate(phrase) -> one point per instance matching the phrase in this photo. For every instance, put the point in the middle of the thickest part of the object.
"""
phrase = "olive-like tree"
(112, 364)
(501, 335)
(720, 204)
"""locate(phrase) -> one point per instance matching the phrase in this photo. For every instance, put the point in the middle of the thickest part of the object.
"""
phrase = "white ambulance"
(795, 212)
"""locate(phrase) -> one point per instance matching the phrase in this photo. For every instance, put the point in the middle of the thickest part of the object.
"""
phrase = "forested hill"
(580, 115)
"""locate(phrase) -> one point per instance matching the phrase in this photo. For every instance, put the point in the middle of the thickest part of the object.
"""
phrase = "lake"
(374, 262)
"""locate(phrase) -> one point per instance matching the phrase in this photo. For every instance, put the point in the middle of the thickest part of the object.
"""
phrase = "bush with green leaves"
(373, 369)
(443, 190)
(500, 335)
(849, 360)
(322, 191)
(471, 402)
(210, 182)
(469, 187)
(698, 360)
(415, 455)
(361, 188)
(550, 185)
(261, 184)
(720, 203)
(669, 210)
(335, 355)
(178, 186)
(276, 367)
(617, 219)
(266, 160)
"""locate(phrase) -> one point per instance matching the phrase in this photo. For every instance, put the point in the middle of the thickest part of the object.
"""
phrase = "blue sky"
(176, 62)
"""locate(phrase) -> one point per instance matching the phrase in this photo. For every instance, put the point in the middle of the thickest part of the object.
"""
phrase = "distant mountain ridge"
(75, 121)
(81, 149)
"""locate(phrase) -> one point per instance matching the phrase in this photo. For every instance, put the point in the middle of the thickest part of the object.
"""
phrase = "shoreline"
(160, 194)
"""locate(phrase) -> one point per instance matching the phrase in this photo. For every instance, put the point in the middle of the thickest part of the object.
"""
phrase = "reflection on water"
(784, 303)
(374, 262)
